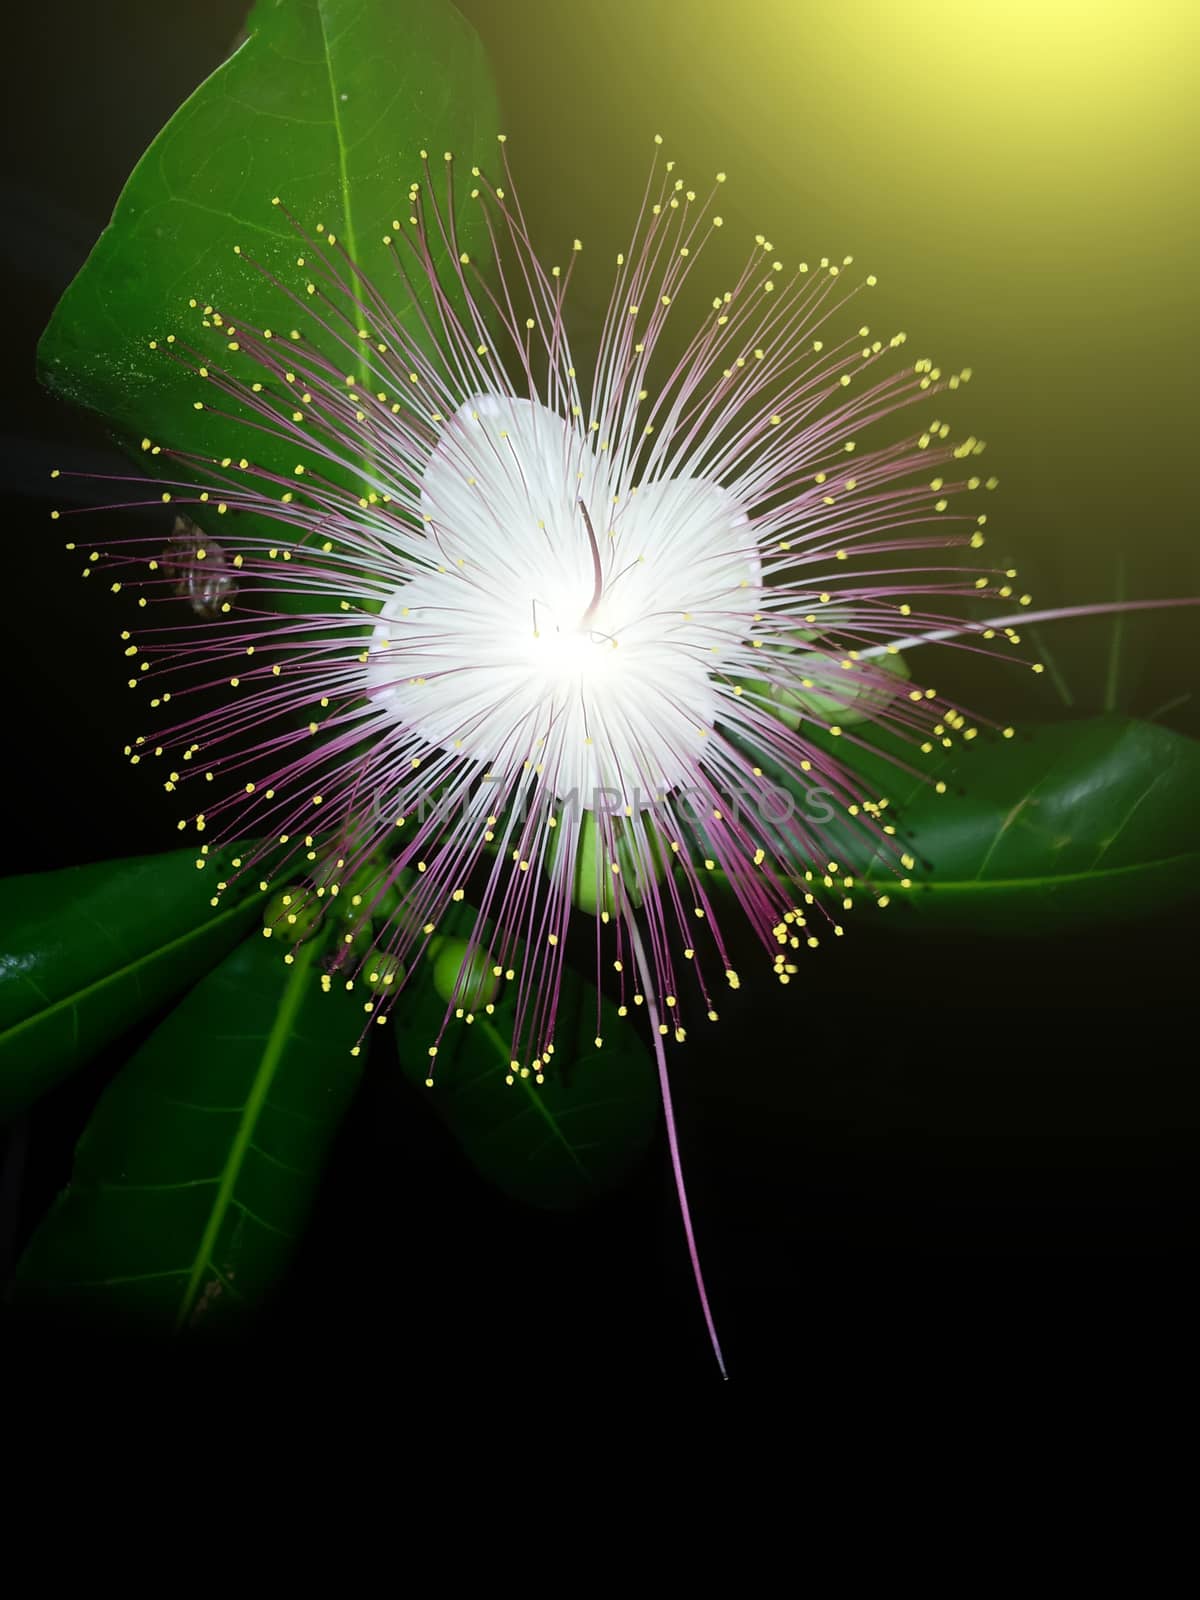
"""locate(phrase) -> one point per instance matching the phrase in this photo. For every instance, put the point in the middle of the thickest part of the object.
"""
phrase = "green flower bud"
(596, 888)
(357, 897)
(352, 896)
(382, 972)
(825, 692)
(292, 914)
(830, 617)
(463, 972)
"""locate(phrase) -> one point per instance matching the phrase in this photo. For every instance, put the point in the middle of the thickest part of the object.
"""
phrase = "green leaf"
(327, 104)
(196, 1173)
(556, 1144)
(88, 951)
(1068, 825)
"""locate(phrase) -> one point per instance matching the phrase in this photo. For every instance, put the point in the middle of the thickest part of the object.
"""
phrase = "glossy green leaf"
(556, 1144)
(195, 1175)
(328, 105)
(88, 951)
(1073, 824)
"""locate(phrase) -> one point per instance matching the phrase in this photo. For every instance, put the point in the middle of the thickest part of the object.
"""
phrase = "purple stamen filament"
(646, 980)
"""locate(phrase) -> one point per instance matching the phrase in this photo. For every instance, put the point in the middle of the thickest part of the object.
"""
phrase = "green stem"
(1056, 677)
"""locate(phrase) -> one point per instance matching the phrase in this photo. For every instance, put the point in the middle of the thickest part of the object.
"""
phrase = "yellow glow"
(1021, 174)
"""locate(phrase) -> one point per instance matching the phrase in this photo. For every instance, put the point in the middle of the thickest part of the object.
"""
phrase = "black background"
(934, 1171)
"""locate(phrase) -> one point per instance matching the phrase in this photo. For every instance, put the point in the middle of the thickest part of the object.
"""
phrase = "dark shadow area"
(935, 1169)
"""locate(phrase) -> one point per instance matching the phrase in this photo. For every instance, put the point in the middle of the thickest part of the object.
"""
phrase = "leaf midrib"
(347, 230)
(343, 174)
(79, 995)
(983, 885)
(536, 1100)
(264, 1077)
(934, 885)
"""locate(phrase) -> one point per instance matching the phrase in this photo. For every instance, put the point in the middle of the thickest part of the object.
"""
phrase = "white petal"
(499, 461)
(697, 529)
(502, 651)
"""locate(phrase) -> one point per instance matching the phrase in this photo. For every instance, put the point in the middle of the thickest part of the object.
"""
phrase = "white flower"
(570, 615)
(583, 619)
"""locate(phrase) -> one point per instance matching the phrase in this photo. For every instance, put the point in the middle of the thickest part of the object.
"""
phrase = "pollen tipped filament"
(448, 633)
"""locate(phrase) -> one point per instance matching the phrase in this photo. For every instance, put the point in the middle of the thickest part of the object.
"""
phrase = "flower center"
(574, 623)
(585, 647)
(571, 652)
